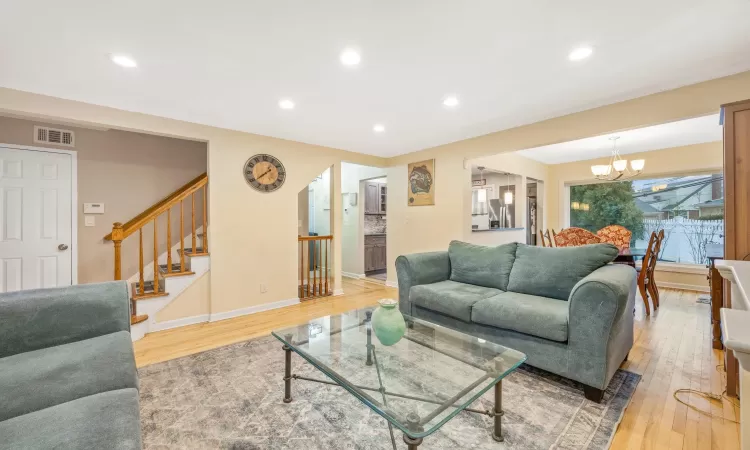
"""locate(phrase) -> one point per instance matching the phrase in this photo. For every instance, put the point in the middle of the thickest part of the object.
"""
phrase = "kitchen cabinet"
(376, 195)
(382, 198)
(375, 256)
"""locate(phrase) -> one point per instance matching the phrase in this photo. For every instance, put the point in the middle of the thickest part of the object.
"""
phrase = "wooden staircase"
(175, 267)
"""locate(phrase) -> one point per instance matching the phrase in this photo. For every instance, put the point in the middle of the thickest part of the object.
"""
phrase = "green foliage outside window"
(608, 204)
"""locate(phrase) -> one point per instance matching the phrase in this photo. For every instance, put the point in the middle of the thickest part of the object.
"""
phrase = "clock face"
(264, 173)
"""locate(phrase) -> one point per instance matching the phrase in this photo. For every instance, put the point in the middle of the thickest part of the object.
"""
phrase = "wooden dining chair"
(616, 235)
(541, 238)
(652, 287)
(573, 236)
(643, 272)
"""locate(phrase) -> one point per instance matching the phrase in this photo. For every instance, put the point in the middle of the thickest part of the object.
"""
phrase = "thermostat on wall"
(93, 208)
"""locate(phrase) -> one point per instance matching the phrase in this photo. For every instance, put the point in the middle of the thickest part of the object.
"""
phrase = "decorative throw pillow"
(552, 272)
(480, 265)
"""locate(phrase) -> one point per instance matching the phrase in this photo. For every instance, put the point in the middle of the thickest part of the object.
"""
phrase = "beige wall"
(253, 239)
(128, 172)
(193, 301)
(432, 227)
(253, 235)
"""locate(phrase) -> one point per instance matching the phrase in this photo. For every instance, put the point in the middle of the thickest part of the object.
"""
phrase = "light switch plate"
(93, 208)
(89, 221)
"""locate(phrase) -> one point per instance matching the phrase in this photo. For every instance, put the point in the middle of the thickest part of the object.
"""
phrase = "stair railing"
(121, 231)
(314, 273)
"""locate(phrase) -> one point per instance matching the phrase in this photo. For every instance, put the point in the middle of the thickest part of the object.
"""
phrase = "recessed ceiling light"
(286, 104)
(350, 57)
(378, 128)
(580, 53)
(450, 101)
(124, 61)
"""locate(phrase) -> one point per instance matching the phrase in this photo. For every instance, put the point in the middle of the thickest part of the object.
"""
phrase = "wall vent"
(46, 135)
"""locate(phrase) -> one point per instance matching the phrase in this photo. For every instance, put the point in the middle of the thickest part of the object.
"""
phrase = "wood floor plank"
(672, 350)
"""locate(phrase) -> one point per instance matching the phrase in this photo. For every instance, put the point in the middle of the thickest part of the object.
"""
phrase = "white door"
(35, 219)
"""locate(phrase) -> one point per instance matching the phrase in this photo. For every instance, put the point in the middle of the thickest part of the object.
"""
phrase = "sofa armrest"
(41, 318)
(419, 268)
(600, 322)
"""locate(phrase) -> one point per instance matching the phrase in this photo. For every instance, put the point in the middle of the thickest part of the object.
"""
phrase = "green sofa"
(67, 370)
(568, 309)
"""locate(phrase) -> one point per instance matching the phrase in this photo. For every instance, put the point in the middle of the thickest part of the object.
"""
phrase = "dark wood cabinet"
(382, 197)
(736, 204)
(375, 256)
(376, 195)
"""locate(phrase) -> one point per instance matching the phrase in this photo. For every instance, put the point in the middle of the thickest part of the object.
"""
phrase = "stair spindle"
(192, 213)
(156, 258)
(169, 240)
(326, 266)
(141, 282)
(182, 238)
(320, 268)
(301, 266)
(205, 219)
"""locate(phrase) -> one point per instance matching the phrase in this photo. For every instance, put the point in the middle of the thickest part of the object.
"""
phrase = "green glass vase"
(388, 322)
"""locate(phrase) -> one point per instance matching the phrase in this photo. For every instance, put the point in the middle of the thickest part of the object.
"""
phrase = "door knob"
(62, 247)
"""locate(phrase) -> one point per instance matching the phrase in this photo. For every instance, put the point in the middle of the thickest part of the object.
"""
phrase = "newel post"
(117, 237)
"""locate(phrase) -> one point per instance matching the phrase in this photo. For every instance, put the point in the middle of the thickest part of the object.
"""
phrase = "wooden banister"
(137, 222)
(314, 272)
(151, 215)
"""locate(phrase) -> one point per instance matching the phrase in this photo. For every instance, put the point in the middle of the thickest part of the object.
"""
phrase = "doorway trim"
(73, 200)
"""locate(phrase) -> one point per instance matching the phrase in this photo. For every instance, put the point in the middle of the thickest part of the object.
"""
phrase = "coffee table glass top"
(417, 384)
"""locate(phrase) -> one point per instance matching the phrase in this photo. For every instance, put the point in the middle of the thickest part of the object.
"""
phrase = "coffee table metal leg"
(498, 432)
(412, 444)
(287, 372)
(368, 320)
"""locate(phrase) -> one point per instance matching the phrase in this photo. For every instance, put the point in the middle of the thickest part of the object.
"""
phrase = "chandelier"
(617, 169)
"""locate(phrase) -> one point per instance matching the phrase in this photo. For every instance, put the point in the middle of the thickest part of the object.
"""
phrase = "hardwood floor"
(170, 344)
(672, 350)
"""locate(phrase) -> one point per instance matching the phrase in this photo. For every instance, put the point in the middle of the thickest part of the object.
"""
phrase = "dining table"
(629, 256)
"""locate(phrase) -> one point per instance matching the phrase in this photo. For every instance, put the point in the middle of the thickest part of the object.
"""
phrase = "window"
(690, 210)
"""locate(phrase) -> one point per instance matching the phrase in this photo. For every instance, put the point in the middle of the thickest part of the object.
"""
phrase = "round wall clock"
(264, 173)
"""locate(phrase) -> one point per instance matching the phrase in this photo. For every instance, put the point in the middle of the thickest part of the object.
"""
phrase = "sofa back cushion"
(480, 265)
(552, 272)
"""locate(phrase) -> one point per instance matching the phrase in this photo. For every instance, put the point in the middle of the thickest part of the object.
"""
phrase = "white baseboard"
(338, 292)
(393, 284)
(353, 275)
(166, 325)
(252, 309)
(682, 286)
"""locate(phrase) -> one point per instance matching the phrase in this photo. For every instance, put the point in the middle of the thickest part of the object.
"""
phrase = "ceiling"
(673, 134)
(228, 64)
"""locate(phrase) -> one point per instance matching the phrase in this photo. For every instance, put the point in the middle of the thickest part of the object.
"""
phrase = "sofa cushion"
(480, 265)
(450, 298)
(108, 420)
(552, 272)
(42, 378)
(529, 314)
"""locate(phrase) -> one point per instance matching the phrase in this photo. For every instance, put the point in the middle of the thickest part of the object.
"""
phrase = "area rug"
(231, 397)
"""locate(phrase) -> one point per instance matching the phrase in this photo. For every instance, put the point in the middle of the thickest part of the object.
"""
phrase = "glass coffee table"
(417, 384)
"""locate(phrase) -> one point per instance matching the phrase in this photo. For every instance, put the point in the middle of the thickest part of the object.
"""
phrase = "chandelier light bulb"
(638, 164)
(620, 165)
